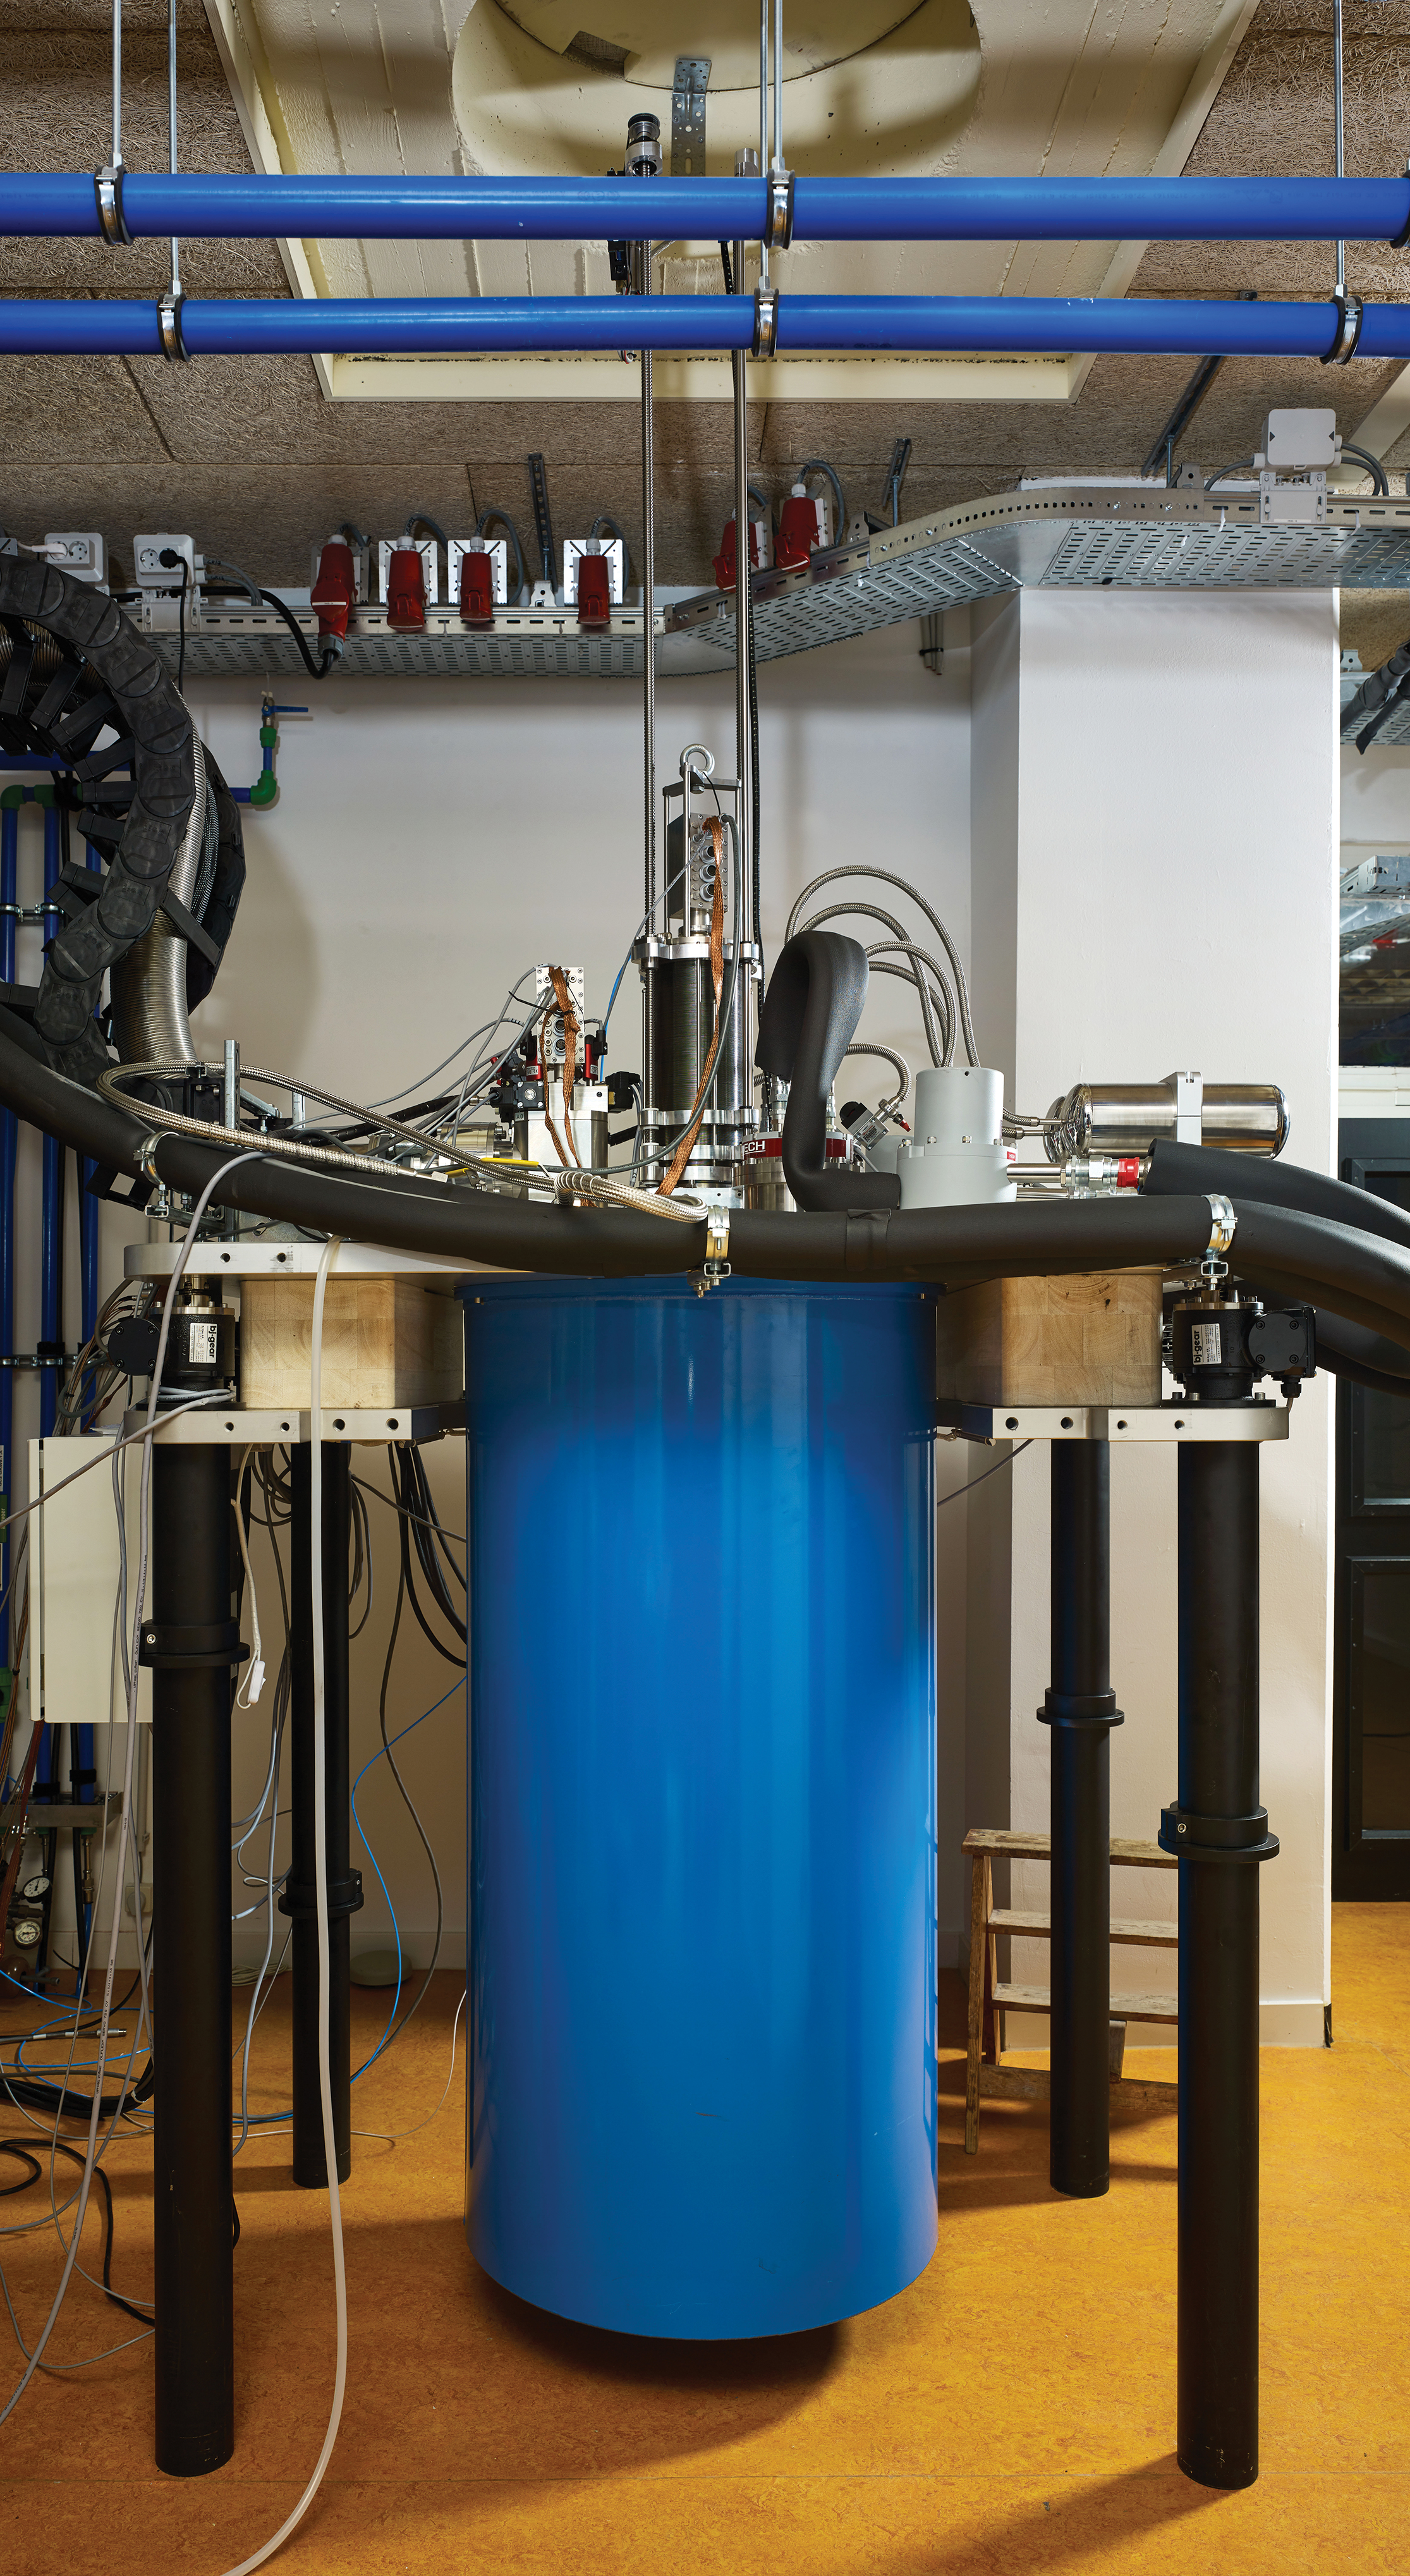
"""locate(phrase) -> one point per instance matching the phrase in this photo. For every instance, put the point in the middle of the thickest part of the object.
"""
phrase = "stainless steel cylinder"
(1129, 1117)
(678, 1023)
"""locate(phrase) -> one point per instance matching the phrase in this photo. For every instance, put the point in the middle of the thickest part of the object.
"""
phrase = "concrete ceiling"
(254, 459)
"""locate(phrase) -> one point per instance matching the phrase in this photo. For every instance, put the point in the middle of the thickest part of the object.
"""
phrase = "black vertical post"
(190, 1621)
(344, 1883)
(1080, 1708)
(1220, 1833)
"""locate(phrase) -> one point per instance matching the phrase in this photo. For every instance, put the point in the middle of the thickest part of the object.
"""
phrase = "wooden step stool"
(989, 2000)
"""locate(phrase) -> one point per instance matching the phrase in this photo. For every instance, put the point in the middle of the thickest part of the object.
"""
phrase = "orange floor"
(1013, 2411)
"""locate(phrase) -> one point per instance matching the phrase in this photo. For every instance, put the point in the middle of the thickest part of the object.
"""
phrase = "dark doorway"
(1371, 1683)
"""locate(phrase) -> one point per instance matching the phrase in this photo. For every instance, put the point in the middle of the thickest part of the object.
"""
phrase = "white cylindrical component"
(957, 1156)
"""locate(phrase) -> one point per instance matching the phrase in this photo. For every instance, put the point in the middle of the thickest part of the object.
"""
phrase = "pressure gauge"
(35, 1890)
(26, 1935)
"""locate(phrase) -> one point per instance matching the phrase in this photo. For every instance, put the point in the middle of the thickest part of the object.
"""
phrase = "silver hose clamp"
(1223, 1225)
(765, 321)
(1350, 313)
(147, 1154)
(107, 188)
(780, 229)
(716, 1263)
(169, 325)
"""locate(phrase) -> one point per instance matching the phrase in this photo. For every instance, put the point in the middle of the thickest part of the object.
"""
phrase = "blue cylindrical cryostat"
(702, 1799)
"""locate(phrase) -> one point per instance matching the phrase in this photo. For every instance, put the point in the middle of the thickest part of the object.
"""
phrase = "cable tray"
(1078, 538)
(534, 644)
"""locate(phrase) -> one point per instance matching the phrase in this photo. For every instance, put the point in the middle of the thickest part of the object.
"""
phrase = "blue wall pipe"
(491, 326)
(9, 1139)
(840, 209)
(51, 1219)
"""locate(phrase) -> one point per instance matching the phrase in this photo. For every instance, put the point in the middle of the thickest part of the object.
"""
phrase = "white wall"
(1155, 844)
(434, 838)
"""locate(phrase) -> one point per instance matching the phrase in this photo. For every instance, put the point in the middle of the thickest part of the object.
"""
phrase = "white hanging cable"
(253, 1683)
(320, 1802)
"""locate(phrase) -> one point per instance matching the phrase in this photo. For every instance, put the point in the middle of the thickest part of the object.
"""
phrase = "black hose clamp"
(300, 1900)
(190, 1646)
(1097, 1708)
(107, 188)
(765, 321)
(169, 325)
(1221, 1838)
(1350, 312)
(779, 235)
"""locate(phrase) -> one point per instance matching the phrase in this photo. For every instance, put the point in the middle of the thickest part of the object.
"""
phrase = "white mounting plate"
(1260, 1420)
(258, 1260)
(271, 1427)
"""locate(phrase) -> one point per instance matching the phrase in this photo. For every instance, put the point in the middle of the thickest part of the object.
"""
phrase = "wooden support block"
(1035, 2084)
(385, 1342)
(1093, 1339)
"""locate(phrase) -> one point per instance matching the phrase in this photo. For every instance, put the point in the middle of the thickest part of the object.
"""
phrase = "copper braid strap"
(685, 1148)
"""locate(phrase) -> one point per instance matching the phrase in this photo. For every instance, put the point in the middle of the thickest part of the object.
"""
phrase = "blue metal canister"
(702, 1831)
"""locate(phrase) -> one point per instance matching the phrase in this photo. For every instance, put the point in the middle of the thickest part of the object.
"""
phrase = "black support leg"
(344, 1884)
(1081, 1710)
(1221, 1834)
(190, 1590)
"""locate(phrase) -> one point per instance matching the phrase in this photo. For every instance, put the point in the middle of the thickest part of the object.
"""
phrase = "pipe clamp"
(1227, 1838)
(1096, 1708)
(765, 321)
(715, 1266)
(191, 1646)
(147, 1153)
(169, 325)
(107, 188)
(1223, 1225)
(779, 234)
(300, 1899)
(1350, 313)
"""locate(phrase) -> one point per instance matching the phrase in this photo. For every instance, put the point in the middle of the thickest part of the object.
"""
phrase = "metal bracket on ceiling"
(107, 188)
(169, 324)
(1350, 310)
(692, 80)
(765, 321)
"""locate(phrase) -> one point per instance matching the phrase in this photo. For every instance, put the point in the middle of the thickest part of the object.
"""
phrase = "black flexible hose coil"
(1363, 1350)
(1352, 1273)
(157, 734)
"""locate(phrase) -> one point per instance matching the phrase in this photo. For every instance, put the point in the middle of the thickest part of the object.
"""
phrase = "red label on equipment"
(1128, 1171)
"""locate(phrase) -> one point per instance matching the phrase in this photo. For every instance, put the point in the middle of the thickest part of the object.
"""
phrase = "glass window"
(1381, 1446)
(1380, 1698)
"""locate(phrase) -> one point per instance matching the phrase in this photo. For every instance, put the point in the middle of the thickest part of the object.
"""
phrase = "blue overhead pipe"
(497, 326)
(249, 206)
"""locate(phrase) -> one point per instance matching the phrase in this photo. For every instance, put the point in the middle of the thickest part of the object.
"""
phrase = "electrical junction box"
(497, 549)
(1292, 501)
(75, 1664)
(613, 552)
(82, 556)
(1300, 442)
(152, 574)
(430, 572)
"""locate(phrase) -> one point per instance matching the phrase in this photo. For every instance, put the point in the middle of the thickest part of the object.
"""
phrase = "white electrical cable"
(320, 1803)
(253, 1683)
